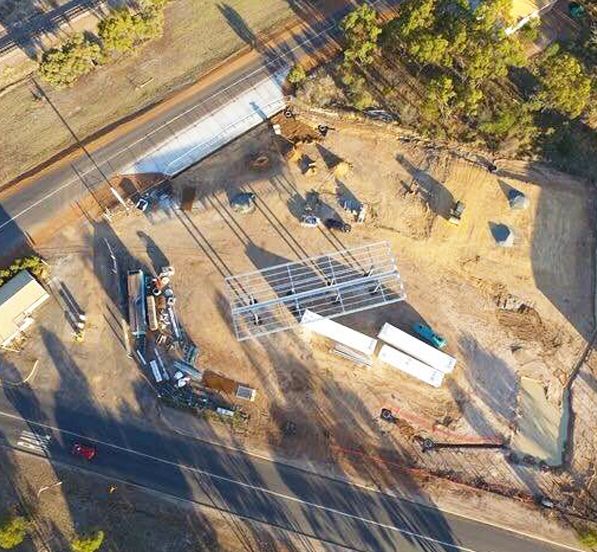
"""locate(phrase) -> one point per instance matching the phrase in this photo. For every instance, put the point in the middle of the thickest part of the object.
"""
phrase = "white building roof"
(339, 333)
(19, 297)
(411, 366)
(417, 348)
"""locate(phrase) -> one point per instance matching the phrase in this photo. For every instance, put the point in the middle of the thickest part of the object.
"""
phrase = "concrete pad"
(542, 426)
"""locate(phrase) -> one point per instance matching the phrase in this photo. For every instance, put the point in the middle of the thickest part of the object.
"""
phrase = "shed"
(19, 298)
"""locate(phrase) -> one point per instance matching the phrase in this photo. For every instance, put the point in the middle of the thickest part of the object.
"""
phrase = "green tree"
(468, 98)
(117, 31)
(509, 120)
(123, 30)
(491, 15)
(64, 65)
(297, 74)
(440, 93)
(361, 31)
(149, 23)
(564, 84)
(426, 47)
(13, 532)
(415, 15)
(88, 543)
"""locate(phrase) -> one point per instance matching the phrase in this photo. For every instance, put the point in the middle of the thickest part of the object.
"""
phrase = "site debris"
(505, 313)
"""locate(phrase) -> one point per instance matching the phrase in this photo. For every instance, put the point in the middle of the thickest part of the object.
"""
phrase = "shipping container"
(136, 302)
(411, 366)
(417, 349)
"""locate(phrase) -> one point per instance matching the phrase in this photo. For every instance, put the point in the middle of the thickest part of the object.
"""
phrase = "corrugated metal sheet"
(19, 297)
(239, 114)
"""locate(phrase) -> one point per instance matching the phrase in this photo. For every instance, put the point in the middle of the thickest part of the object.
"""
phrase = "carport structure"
(351, 280)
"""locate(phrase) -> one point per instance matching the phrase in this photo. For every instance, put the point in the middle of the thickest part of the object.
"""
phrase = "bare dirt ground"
(457, 280)
(132, 519)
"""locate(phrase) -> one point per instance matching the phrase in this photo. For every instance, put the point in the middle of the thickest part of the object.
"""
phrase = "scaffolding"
(275, 299)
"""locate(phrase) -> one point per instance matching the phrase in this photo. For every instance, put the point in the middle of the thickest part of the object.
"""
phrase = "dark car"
(335, 224)
(84, 451)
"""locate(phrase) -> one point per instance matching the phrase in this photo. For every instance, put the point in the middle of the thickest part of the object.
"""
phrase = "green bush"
(88, 543)
(588, 537)
(123, 30)
(13, 532)
(530, 31)
(63, 66)
(34, 264)
(297, 74)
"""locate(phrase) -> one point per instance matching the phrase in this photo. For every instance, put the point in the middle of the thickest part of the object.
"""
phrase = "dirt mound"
(526, 324)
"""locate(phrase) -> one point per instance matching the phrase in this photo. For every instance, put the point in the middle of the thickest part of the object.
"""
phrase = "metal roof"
(275, 298)
(19, 297)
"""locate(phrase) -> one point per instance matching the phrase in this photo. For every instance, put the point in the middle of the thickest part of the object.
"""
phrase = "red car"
(84, 451)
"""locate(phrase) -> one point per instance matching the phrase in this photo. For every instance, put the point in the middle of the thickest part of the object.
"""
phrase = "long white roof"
(339, 333)
(411, 366)
(18, 298)
(417, 348)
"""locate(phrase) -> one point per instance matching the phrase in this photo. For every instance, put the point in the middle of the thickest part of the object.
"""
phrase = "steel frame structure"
(351, 280)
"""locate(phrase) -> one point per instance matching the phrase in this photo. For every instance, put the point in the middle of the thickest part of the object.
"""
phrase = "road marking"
(219, 92)
(34, 441)
(287, 497)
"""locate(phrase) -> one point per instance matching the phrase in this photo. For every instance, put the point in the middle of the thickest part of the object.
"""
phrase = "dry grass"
(197, 36)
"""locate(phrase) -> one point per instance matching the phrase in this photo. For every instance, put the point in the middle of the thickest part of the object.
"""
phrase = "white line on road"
(219, 92)
(277, 494)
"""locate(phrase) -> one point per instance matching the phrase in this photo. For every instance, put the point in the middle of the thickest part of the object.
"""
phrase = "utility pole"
(115, 193)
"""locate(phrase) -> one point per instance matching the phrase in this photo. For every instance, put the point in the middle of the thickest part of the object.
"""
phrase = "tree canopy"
(12, 532)
(564, 84)
(78, 56)
(88, 543)
(361, 31)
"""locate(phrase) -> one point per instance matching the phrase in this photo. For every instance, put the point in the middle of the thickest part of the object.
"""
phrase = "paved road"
(252, 487)
(260, 489)
(27, 208)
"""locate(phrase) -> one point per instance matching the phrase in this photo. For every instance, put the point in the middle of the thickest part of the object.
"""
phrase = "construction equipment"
(308, 216)
(427, 334)
(456, 212)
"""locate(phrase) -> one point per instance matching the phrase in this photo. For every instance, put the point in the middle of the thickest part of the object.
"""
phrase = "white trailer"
(411, 366)
(417, 348)
(360, 343)
(157, 375)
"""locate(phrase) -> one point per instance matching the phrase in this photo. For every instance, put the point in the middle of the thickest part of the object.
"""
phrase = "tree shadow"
(157, 257)
(15, 242)
(555, 260)
(437, 196)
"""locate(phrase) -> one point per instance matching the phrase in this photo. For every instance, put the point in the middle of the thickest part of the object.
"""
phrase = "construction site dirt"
(506, 313)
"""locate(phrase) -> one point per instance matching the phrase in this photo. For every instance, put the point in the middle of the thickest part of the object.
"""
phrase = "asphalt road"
(256, 488)
(217, 476)
(30, 207)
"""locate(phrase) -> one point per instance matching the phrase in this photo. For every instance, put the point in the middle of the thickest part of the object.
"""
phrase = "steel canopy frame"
(275, 298)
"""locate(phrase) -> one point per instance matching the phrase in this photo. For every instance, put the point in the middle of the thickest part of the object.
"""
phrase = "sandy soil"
(457, 280)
